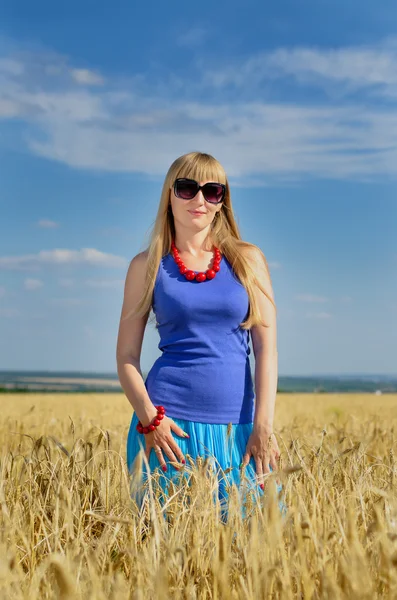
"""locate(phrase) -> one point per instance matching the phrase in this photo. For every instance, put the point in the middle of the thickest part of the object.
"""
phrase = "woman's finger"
(160, 457)
(178, 430)
(265, 463)
(259, 470)
(165, 447)
(177, 451)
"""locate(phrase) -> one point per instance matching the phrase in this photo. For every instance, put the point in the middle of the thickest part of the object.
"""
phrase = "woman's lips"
(192, 212)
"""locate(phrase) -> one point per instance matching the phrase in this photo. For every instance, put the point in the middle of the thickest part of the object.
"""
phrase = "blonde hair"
(224, 234)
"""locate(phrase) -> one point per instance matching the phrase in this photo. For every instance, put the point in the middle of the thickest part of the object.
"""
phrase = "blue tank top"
(203, 373)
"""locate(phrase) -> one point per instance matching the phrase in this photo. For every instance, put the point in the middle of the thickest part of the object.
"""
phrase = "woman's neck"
(194, 246)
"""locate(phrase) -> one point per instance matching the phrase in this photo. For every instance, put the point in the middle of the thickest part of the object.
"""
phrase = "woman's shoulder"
(139, 267)
(143, 257)
(140, 259)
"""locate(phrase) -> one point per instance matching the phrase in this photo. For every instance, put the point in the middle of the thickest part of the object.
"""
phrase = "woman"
(208, 289)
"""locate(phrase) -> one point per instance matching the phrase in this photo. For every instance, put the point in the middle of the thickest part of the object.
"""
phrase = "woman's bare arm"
(129, 343)
(264, 344)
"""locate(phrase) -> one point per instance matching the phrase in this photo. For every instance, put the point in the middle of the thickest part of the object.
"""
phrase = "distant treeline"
(346, 390)
(26, 390)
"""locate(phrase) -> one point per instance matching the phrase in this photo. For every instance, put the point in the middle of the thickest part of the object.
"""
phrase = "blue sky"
(297, 100)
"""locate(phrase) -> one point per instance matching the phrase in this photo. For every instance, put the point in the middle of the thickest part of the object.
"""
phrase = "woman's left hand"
(263, 446)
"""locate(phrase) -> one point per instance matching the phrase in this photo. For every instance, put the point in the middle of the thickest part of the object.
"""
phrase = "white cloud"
(87, 77)
(274, 264)
(11, 66)
(311, 298)
(8, 109)
(105, 283)
(319, 315)
(364, 67)
(66, 302)
(193, 36)
(47, 224)
(62, 256)
(138, 125)
(32, 284)
(272, 140)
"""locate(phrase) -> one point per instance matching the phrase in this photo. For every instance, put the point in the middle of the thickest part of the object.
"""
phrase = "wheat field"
(70, 530)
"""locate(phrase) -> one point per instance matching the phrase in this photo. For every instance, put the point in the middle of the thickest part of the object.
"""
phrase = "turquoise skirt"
(224, 444)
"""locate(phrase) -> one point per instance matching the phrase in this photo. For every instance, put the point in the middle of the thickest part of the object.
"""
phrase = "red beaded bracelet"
(155, 422)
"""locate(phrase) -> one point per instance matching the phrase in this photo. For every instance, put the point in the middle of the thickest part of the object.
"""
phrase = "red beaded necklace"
(201, 276)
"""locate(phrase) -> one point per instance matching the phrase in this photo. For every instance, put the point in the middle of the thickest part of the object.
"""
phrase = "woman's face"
(183, 210)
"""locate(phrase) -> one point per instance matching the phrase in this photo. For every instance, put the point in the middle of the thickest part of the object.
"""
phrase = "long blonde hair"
(224, 234)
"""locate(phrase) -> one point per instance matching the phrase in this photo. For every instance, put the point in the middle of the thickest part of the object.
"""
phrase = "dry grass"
(68, 528)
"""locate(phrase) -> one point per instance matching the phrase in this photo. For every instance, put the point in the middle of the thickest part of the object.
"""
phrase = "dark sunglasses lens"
(186, 189)
(213, 192)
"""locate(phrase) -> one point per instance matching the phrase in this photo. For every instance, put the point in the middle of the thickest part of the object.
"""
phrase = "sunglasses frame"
(200, 187)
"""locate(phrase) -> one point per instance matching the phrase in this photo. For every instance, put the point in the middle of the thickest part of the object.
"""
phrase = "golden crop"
(68, 528)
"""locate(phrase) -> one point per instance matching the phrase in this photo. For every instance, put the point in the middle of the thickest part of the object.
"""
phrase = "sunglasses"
(188, 188)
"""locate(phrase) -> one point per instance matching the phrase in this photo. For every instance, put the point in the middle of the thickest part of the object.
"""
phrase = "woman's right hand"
(161, 440)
